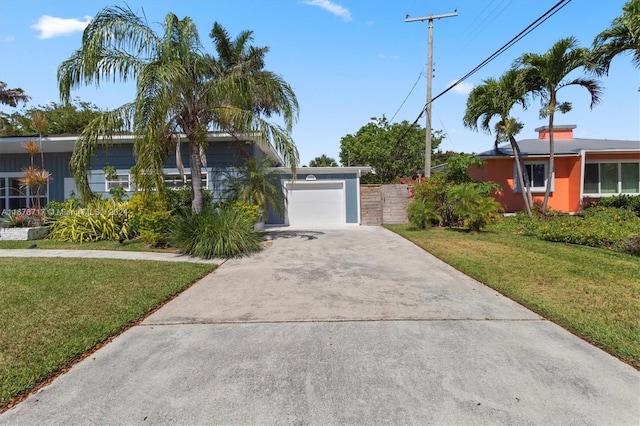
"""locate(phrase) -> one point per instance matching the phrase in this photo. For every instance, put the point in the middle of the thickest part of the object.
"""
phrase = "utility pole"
(430, 18)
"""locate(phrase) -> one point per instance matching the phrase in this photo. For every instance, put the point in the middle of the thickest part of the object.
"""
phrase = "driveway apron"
(340, 326)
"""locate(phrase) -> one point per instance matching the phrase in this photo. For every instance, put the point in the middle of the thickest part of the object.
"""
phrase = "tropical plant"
(495, 99)
(622, 37)
(224, 233)
(323, 161)
(451, 198)
(545, 74)
(100, 220)
(180, 89)
(256, 183)
(34, 178)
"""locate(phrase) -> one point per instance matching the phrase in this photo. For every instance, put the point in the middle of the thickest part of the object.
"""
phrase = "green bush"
(100, 220)
(599, 226)
(225, 233)
(150, 218)
(622, 201)
(451, 198)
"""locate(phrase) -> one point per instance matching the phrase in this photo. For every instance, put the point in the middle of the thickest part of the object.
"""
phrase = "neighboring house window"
(537, 175)
(120, 181)
(612, 178)
(13, 197)
(175, 181)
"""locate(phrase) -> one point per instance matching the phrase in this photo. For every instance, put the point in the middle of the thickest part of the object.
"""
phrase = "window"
(537, 173)
(119, 181)
(13, 197)
(174, 181)
(612, 178)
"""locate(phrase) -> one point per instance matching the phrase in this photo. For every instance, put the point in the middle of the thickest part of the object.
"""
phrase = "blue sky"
(349, 60)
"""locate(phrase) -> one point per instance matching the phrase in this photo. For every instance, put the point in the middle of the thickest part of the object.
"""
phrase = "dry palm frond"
(34, 176)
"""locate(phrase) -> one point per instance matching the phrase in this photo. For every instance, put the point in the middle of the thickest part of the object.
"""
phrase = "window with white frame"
(175, 181)
(13, 196)
(537, 173)
(611, 178)
(121, 180)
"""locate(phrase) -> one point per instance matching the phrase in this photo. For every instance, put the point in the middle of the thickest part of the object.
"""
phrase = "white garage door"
(316, 203)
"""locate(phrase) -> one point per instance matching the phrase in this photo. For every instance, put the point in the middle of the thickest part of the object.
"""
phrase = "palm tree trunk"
(551, 173)
(521, 171)
(196, 174)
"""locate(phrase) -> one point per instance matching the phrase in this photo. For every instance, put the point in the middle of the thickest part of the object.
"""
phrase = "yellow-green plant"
(100, 220)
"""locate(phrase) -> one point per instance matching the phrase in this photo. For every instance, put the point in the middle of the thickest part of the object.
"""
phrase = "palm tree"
(179, 90)
(623, 36)
(256, 183)
(495, 98)
(547, 73)
(12, 97)
(323, 161)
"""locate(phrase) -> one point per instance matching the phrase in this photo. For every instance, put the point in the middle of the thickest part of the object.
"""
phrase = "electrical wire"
(410, 92)
(535, 24)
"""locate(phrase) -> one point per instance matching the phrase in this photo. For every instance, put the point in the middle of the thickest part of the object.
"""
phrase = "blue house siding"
(55, 163)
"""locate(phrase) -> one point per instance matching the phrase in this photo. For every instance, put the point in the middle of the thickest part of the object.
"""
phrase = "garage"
(316, 203)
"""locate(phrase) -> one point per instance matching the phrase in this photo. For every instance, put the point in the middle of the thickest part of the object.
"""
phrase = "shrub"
(622, 201)
(100, 220)
(597, 227)
(150, 218)
(225, 232)
(450, 199)
(629, 245)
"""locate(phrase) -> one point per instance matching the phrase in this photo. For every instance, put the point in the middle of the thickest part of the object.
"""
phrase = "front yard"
(592, 292)
(52, 311)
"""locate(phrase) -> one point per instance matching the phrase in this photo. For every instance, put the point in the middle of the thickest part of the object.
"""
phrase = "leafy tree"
(12, 97)
(53, 119)
(622, 37)
(393, 150)
(323, 161)
(495, 99)
(180, 89)
(545, 75)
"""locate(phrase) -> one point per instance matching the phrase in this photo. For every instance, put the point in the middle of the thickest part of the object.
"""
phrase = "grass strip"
(594, 293)
(54, 310)
(128, 245)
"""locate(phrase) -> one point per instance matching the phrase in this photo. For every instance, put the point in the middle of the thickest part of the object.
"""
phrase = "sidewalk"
(107, 254)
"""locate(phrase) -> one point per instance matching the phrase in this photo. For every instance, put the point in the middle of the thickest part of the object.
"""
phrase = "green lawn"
(129, 245)
(54, 310)
(594, 293)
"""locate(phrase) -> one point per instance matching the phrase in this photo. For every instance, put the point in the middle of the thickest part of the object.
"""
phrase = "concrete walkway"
(340, 326)
(107, 254)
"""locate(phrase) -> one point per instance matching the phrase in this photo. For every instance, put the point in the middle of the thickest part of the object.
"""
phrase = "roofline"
(327, 170)
(556, 127)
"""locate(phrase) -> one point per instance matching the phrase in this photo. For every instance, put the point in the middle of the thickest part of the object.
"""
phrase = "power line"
(410, 92)
(535, 24)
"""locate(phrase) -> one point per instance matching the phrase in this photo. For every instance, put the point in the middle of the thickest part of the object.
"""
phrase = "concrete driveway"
(340, 326)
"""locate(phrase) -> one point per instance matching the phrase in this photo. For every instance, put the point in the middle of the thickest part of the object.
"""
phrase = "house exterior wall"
(55, 163)
(566, 187)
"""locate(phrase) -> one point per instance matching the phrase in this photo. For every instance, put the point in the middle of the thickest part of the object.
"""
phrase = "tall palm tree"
(12, 97)
(623, 36)
(180, 89)
(495, 99)
(547, 73)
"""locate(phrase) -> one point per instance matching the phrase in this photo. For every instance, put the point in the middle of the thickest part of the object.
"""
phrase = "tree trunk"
(196, 174)
(521, 172)
(550, 174)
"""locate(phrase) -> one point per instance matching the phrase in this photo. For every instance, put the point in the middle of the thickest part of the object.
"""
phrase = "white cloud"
(462, 88)
(50, 26)
(333, 8)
